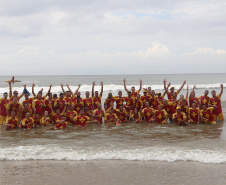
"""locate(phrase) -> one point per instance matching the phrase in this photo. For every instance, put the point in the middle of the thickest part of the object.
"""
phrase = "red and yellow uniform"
(29, 102)
(204, 100)
(145, 99)
(147, 114)
(12, 122)
(26, 121)
(159, 100)
(194, 113)
(24, 111)
(88, 114)
(114, 110)
(47, 103)
(138, 104)
(99, 113)
(175, 104)
(129, 102)
(37, 121)
(81, 120)
(75, 99)
(169, 108)
(78, 106)
(208, 114)
(37, 105)
(69, 100)
(185, 109)
(88, 102)
(196, 100)
(134, 94)
(45, 121)
(18, 98)
(160, 116)
(61, 125)
(119, 101)
(110, 118)
(70, 115)
(170, 95)
(96, 101)
(56, 117)
(218, 111)
(153, 103)
(11, 106)
(179, 117)
(3, 105)
(108, 101)
(136, 117)
(185, 100)
(61, 103)
(122, 115)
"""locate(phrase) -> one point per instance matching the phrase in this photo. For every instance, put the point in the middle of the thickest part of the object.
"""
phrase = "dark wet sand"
(110, 172)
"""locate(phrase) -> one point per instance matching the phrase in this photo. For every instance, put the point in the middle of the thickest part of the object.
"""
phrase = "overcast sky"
(40, 37)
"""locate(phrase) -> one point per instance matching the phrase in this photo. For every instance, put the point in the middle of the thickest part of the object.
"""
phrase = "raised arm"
(181, 86)
(69, 89)
(222, 88)
(124, 81)
(187, 92)
(93, 84)
(102, 88)
(165, 88)
(62, 87)
(10, 90)
(192, 91)
(50, 86)
(140, 85)
(79, 85)
(22, 92)
(33, 92)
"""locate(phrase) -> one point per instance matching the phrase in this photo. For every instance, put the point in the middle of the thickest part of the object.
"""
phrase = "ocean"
(152, 143)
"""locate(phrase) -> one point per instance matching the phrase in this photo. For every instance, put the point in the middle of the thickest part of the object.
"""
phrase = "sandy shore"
(110, 172)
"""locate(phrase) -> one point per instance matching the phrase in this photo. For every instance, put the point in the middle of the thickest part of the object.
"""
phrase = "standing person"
(206, 114)
(24, 110)
(130, 103)
(192, 98)
(87, 101)
(95, 96)
(169, 108)
(179, 117)
(147, 113)
(81, 119)
(119, 99)
(184, 99)
(170, 94)
(88, 113)
(160, 115)
(27, 100)
(135, 115)
(133, 91)
(194, 114)
(43, 97)
(215, 101)
(14, 93)
(204, 99)
(138, 103)
(39, 105)
(13, 105)
(78, 104)
(60, 103)
(49, 101)
(98, 114)
(3, 103)
(71, 113)
(110, 99)
(67, 94)
(145, 98)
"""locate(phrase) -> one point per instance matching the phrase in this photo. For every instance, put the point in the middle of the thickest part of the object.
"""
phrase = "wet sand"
(110, 172)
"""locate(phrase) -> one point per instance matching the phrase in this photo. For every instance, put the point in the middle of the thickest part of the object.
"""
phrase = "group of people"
(70, 108)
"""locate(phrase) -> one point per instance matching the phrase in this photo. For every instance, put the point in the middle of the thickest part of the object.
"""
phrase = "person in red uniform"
(110, 117)
(194, 114)
(147, 113)
(37, 120)
(179, 117)
(88, 113)
(122, 115)
(169, 108)
(81, 119)
(119, 99)
(110, 99)
(60, 124)
(206, 114)
(98, 114)
(170, 94)
(60, 103)
(45, 120)
(159, 98)
(160, 115)
(77, 93)
(133, 91)
(15, 93)
(39, 105)
(145, 98)
(95, 96)
(135, 116)
(68, 95)
(184, 99)
(204, 99)
(78, 104)
(12, 122)
(184, 108)
(49, 101)
(24, 110)
(3, 103)
(71, 113)
(13, 105)
(215, 101)
(27, 100)
(27, 122)
(130, 103)
(57, 114)
(43, 97)
(111, 107)
(88, 101)
(138, 103)
(192, 98)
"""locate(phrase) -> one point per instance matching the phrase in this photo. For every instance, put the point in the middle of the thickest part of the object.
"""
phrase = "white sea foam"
(170, 154)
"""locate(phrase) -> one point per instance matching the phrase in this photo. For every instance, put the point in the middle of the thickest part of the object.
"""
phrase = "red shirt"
(160, 116)
(194, 114)
(78, 106)
(69, 116)
(61, 125)
(147, 114)
(216, 101)
(11, 106)
(208, 114)
(119, 101)
(99, 113)
(122, 115)
(108, 101)
(12, 122)
(88, 102)
(81, 120)
(3, 104)
(96, 101)
(37, 105)
(61, 107)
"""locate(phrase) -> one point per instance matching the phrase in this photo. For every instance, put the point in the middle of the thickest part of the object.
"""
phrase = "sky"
(58, 37)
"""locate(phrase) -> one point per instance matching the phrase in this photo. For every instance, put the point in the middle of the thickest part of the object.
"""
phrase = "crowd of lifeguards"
(71, 108)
